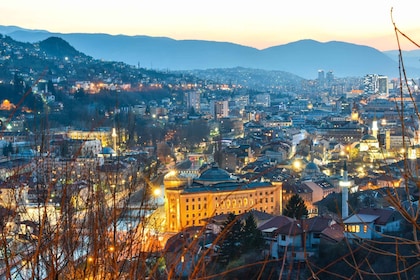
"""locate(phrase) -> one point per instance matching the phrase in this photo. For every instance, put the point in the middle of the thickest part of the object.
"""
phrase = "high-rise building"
(383, 88)
(321, 77)
(329, 78)
(376, 84)
(219, 109)
(193, 100)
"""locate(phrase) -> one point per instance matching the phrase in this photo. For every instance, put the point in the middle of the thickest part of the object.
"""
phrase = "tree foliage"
(296, 208)
(240, 236)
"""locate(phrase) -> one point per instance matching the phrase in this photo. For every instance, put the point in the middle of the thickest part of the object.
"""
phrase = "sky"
(257, 23)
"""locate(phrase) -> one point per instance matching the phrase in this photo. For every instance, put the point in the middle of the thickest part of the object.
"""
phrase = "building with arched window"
(189, 202)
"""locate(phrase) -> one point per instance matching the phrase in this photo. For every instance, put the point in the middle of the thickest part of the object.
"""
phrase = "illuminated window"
(245, 201)
(365, 228)
(353, 228)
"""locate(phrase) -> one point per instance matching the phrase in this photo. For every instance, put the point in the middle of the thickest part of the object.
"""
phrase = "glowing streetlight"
(157, 192)
(297, 164)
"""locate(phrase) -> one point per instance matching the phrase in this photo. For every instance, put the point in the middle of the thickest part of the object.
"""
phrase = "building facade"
(214, 192)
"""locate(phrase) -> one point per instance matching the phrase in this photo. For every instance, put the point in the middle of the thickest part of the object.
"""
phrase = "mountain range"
(303, 58)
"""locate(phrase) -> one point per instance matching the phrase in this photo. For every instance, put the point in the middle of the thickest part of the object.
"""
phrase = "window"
(193, 207)
(186, 200)
(352, 228)
(186, 207)
(365, 228)
(199, 206)
(283, 237)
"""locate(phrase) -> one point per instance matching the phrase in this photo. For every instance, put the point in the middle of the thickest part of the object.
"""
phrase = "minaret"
(388, 140)
(412, 157)
(344, 184)
(375, 128)
(114, 139)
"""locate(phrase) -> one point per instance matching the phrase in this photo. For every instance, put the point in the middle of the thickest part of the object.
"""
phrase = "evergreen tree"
(296, 208)
(231, 243)
(252, 237)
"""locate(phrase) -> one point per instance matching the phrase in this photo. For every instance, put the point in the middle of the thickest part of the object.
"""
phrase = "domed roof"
(311, 167)
(368, 137)
(214, 174)
(108, 151)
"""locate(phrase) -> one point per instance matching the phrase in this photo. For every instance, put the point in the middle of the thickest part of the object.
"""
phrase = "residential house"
(370, 223)
(300, 239)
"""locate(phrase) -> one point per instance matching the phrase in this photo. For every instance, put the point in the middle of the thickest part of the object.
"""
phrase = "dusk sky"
(259, 24)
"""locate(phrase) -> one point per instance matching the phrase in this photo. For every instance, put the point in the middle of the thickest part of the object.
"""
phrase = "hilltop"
(303, 58)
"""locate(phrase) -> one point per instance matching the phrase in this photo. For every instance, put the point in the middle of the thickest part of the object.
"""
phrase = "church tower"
(355, 113)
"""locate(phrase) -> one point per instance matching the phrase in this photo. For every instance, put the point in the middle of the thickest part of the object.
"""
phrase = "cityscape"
(115, 171)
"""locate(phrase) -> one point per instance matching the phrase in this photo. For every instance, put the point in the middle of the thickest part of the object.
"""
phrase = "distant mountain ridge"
(303, 58)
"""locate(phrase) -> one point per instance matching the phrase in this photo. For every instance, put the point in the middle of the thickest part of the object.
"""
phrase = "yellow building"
(215, 191)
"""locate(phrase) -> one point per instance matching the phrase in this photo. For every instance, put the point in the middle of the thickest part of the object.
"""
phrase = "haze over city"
(259, 24)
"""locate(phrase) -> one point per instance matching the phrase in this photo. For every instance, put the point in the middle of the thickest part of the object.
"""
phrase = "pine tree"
(296, 208)
(231, 243)
(252, 237)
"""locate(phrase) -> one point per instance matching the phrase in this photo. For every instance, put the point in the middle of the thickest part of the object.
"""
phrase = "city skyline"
(261, 25)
